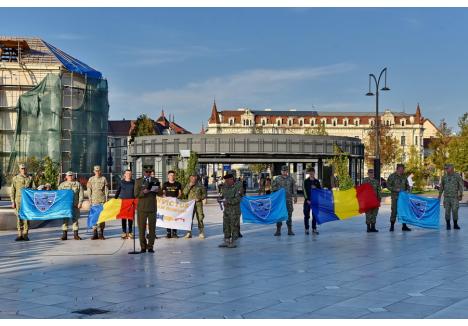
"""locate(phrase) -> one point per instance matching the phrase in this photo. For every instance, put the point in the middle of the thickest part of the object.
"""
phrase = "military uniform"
(232, 196)
(371, 215)
(395, 184)
(77, 189)
(17, 183)
(452, 188)
(98, 192)
(289, 185)
(197, 193)
(146, 211)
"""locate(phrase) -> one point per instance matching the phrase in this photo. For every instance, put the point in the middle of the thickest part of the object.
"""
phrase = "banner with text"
(173, 213)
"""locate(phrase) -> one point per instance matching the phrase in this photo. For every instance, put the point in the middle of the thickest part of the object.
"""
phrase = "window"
(402, 123)
(231, 122)
(345, 123)
(334, 122)
(387, 123)
(403, 140)
(278, 122)
(372, 123)
(290, 123)
(356, 122)
(312, 123)
(263, 122)
(301, 123)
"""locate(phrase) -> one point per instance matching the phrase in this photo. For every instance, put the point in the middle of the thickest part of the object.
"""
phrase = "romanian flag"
(111, 210)
(335, 205)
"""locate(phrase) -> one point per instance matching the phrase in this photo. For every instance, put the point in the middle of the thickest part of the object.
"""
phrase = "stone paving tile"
(416, 310)
(49, 300)
(43, 312)
(431, 300)
(457, 310)
(334, 311)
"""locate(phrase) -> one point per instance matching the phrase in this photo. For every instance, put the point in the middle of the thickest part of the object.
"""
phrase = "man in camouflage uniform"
(371, 216)
(20, 181)
(452, 188)
(98, 193)
(146, 189)
(397, 181)
(195, 191)
(75, 186)
(286, 182)
(232, 196)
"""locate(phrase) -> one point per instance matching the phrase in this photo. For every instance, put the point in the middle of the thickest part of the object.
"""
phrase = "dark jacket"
(308, 185)
(125, 189)
(146, 202)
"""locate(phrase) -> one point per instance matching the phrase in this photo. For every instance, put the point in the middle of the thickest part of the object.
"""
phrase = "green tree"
(340, 165)
(440, 146)
(144, 126)
(458, 147)
(51, 172)
(417, 166)
(318, 130)
(390, 149)
(183, 174)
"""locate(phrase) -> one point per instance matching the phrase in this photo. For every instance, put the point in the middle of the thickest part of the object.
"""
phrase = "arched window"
(301, 122)
(290, 123)
(403, 122)
(312, 122)
(231, 122)
(345, 122)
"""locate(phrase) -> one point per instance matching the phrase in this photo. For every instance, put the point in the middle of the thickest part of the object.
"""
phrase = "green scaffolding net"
(74, 137)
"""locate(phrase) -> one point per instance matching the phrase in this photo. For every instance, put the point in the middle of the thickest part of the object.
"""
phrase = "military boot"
(101, 234)
(19, 237)
(188, 235)
(224, 244)
(76, 236)
(455, 225)
(95, 235)
(202, 234)
(25, 237)
(448, 225)
(405, 227)
(240, 235)
(392, 227)
(64, 236)
(231, 244)
(373, 229)
(278, 231)
(290, 231)
(369, 228)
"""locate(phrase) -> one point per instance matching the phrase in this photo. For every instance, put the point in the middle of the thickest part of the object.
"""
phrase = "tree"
(319, 130)
(144, 126)
(257, 168)
(440, 146)
(51, 172)
(183, 174)
(458, 147)
(340, 165)
(417, 166)
(390, 149)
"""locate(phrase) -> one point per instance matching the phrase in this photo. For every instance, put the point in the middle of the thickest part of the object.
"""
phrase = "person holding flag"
(125, 191)
(194, 191)
(20, 181)
(77, 189)
(452, 188)
(309, 184)
(371, 215)
(397, 182)
(98, 192)
(286, 182)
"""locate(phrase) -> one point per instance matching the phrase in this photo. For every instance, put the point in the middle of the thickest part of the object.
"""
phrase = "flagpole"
(135, 218)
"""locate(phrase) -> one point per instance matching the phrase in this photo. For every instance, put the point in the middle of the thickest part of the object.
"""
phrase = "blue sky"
(314, 58)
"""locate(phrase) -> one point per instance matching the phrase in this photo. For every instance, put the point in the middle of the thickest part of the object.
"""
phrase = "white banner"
(173, 213)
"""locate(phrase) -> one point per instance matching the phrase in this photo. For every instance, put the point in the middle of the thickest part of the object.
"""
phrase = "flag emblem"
(44, 200)
(418, 207)
(261, 207)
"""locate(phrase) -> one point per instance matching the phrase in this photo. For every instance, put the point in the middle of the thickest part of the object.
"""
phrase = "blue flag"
(418, 211)
(265, 209)
(93, 215)
(37, 205)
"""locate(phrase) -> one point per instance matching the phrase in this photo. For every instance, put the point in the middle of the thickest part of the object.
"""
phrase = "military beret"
(284, 168)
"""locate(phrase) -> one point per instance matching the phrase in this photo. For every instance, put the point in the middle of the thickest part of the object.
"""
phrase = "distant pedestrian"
(452, 188)
(410, 182)
(126, 191)
(371, 216)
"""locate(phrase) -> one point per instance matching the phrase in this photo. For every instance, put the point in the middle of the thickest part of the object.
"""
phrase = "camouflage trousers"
(198, 211)
(231, 222)
(371, 216)
(289, 206)
(451, 206)
(394, 212)
(66, 221)
(21, 225)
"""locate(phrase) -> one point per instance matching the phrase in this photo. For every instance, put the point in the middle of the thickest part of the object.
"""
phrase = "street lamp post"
(377, 120)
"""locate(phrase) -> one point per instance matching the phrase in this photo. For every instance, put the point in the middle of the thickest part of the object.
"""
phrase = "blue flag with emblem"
(46, 205)
(418, 211)
(265, 209)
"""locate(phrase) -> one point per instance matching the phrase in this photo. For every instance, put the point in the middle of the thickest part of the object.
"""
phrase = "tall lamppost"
(377, 120)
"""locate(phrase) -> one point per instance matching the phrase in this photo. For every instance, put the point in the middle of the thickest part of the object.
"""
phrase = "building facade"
(409, 129)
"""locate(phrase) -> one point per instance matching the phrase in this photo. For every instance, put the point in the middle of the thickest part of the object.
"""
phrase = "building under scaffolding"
(51, 104)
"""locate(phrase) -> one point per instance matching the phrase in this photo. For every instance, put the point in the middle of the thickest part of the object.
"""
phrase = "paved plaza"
(342, 273)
